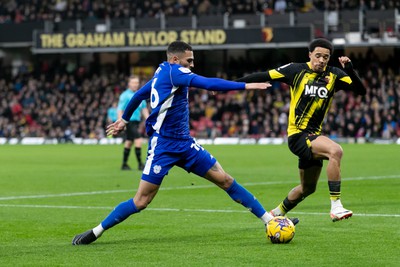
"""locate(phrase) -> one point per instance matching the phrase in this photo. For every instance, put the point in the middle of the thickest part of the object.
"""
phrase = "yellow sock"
(279, 211)
(334, 196)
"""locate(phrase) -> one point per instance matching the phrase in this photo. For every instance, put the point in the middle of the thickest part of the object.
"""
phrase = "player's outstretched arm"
(257, 86)
(217, 84)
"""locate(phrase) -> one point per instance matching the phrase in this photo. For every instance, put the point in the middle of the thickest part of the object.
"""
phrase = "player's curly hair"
(321, 42)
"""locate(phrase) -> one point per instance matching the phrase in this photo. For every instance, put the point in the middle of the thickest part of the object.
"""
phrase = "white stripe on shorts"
(150, 158)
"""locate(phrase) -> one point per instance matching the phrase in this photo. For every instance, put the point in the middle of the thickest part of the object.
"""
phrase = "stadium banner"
(70, 42)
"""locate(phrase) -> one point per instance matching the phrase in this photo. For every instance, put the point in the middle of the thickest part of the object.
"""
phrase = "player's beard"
(319, 67)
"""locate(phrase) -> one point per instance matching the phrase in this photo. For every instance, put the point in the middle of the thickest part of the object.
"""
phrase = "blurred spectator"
(280, 6)
(112, 113)
(64, 101)
(19, 11)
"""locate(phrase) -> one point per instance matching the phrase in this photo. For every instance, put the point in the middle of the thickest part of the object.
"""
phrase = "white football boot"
(339, 213)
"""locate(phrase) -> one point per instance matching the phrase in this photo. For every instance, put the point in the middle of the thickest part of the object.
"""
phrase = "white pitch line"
(66, 194)
(181, 210)
(129, 190)
(182, 187)
(372, 178)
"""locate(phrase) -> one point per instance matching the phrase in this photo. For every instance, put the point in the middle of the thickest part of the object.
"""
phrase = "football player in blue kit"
(170, 142)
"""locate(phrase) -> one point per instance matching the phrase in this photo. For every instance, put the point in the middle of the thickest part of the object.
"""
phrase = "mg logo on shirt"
(312, 90)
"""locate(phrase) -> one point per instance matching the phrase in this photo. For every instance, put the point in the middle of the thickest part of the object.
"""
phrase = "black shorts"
(300, 145)
(132, 130)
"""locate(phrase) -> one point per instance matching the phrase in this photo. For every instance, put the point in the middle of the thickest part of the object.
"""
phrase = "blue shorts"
(164, 153)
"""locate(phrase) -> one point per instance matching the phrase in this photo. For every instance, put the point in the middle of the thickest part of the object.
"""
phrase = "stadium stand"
(19, 11)
(63, 100)
(65, 104)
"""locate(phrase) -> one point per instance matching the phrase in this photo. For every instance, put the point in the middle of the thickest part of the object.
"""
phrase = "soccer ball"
(280, 230)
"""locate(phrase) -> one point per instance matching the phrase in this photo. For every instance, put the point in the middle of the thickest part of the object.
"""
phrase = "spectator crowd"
(18, 11)
(265, 113)
(63, 102)
(66, 101)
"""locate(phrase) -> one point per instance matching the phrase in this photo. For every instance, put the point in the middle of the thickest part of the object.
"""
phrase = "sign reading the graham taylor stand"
(157, 40)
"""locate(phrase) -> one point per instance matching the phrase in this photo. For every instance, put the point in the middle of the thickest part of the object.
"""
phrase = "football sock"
(239, 194)
(266, 217)
(334, 190)
(278, 211)
(138, 152)
(120, 213)
(98, 230)
(127, 151)
(284, 207)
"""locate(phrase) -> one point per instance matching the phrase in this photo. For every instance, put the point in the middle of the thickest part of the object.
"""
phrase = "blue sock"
(120, 213)
(239, 194)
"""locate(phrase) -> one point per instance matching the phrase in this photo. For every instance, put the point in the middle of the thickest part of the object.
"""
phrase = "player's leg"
(137, 143)
(237, 192)
(323, 147)
(144, 195)
(127, 151)
(309, 170)
(138, 152)
(157, 166)
(127, 147)
(308, 182)
(201, 162)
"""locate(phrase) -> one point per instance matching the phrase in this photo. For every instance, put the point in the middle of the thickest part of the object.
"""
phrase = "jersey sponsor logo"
(184, 70)
(312, 90)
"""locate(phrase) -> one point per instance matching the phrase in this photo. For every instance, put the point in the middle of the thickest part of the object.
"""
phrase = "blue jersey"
(168, 92)
(169, 101)
(124, 99)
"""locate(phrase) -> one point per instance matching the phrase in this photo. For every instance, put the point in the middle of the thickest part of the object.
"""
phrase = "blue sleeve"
(216, 84)
(142, 94)
(181, 76)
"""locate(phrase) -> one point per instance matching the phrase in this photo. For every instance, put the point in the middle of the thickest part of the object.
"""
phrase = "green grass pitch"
(50, 193)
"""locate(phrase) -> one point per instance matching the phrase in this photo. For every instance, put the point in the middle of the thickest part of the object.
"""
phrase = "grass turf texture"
(191, 222)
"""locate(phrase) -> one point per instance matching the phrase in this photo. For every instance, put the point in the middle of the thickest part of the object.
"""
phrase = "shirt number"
(154, 97)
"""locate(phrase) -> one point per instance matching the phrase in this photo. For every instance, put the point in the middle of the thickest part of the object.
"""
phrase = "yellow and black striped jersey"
(311, 93)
